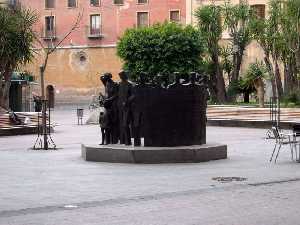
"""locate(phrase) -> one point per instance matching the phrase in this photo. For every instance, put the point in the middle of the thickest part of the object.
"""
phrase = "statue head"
(103, 80)
(123, 75)
(203, 79)
(177, 77)
(164, 80)
(107, 77)
(193, 77)
(142, 78)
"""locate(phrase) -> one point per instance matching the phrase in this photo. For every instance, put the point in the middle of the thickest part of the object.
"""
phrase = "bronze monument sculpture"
(163, 114)
(167, 120)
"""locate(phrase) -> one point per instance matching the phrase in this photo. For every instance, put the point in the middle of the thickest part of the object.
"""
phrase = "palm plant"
(254, 77)
(210, 26)
(237, 19)
(16, 42)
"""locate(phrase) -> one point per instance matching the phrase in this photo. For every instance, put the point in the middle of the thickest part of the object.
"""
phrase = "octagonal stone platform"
(130, 154)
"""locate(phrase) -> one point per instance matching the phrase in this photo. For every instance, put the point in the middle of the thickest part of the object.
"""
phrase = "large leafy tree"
(210, 27)
(161, 49)
(16, 40)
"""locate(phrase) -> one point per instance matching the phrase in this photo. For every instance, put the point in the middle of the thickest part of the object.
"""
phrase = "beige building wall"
(3, 2)
(74, 72)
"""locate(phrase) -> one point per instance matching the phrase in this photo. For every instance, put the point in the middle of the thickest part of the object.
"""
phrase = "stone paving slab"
(41, 183)
(241, 204)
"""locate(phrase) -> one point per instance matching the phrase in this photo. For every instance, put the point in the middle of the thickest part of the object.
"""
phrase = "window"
(71, 3)
(49, 25)
(95, 2)
(49, 4)
(142, 19)
(259, 10)
(95, 25)
(175, 16)
(13, 4)
(118, 2)
(142, 1)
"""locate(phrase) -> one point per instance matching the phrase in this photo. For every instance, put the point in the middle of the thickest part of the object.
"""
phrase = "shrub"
(161, 48)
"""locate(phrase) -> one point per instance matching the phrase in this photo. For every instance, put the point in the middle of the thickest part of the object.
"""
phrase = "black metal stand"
(274, 115)
(44, 140)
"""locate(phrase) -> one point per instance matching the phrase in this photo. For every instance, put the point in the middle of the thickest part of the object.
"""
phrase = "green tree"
(289, 41)
(161, 49)
(210, 27)
(237, 20)
(16, 40)
(274, 28)
(278, 36)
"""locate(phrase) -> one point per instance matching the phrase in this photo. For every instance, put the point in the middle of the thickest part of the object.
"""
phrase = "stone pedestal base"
(129, 154)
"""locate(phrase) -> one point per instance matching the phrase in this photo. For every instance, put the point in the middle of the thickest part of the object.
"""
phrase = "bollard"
(79, 116)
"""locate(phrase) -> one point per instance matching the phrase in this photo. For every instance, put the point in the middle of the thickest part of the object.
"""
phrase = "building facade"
(90, 49)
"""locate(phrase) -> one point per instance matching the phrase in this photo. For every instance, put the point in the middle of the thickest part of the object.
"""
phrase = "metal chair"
(284, 139)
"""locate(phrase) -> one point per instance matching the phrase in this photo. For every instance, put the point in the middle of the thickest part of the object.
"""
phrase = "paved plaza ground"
(59, 187)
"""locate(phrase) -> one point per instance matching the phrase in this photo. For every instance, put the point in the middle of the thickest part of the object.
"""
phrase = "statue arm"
(114, 95)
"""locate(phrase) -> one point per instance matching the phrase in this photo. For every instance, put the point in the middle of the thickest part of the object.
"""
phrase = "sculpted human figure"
(110, 104)
(137, 102)
(124, 93)
(193, 78)
(155, 82)
(176, 82)
(104, 121)
(164, 80)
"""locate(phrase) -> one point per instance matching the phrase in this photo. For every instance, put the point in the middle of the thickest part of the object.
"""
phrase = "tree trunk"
(237, 66)
(287, 79)
(297, 59)
(278, 79)
(212, 91)
(4, 94)
(5, 87)
(293, 75)
(271, 72)
(220, 83)
(259, 86)
(237, 62)
(246, 97)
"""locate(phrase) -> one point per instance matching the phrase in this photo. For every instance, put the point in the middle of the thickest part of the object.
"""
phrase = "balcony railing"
(49, 34)
(94, 32)
(14, 4)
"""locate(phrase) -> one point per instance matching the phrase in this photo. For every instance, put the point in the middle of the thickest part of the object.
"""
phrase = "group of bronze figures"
(165, 114)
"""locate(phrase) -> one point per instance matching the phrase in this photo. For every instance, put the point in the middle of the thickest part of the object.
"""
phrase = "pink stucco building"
(90, 49)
